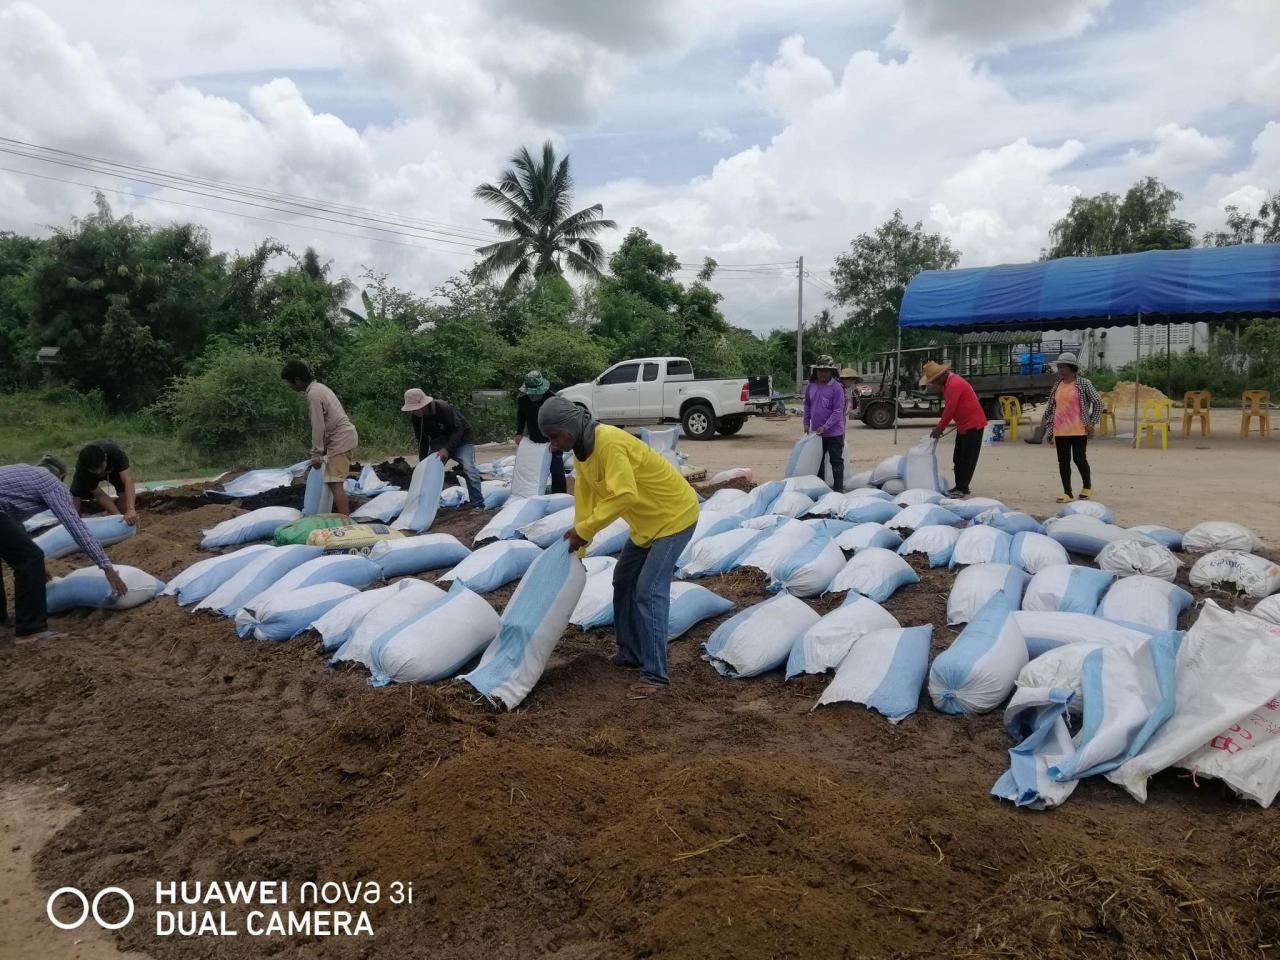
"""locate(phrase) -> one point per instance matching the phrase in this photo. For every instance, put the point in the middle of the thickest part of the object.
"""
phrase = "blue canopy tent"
(1163, 286)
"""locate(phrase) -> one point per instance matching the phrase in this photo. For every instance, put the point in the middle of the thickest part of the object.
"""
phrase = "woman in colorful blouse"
(1070, 417)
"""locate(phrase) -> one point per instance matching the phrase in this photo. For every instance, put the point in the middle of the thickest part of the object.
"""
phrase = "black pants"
(833, 450)
(965, 457)
(1073, 448)
(558, 484)
(20, 552)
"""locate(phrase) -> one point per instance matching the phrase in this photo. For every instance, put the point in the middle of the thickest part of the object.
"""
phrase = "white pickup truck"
(664, 390)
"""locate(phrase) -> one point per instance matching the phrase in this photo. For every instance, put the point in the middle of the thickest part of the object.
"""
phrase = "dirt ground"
(724, 818)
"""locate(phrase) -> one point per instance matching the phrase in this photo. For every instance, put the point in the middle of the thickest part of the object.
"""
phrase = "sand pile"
(1124, 392)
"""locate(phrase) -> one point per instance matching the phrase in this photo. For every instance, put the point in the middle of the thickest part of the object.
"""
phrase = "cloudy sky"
(753, 131)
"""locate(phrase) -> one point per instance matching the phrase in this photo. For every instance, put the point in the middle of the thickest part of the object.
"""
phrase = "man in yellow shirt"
(619, 476)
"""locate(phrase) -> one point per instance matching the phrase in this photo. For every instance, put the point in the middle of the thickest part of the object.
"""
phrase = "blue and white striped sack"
(860, 480)
(531, 469)
(39, 521)
(977, 672)
(495, 565)
(719, 553)
(760, 499)
(710, 523)
(423, 502)
(337, 625)
(690, 605)
(806, 457)
(1087, 535)
(1087, 508)
(547, 530)
(451, 498)
(260, 524)
(1036, 718)
(264, 569)
(760, 638)
(1010, 521)
(920, 467)
(981, 544)
(317, 498)
(255, 482)
(867, 510)
(610, 541)
(936, 543)
(885, 670)
(869, 493)
(495, 493)
(383, 508)
(436, 643)
(284, 615)
(809, 570)
(532, 624)
(831, 527)
(400, 607)
(351, 569)
(88, 587)
(368, 484)
(1034, 551)
(813, 487)
(1067, 587)
(727, 500)
(894, 487)
(783, 538)
(1164, 536)
(791, 504)
(205, 576)
(1146, 601)
(769, 521)
(971, 507)
(410, 555)
(874, 573)
(913, 495)
(594, 608)
(824, 645)
(829, 504)
(864, 535)
(922, 515)
(977, 584)
(519, 512)
(1048, 630)
(890, 468)
(58, 542)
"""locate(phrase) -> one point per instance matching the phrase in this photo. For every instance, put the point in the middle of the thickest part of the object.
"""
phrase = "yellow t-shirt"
(626, 478)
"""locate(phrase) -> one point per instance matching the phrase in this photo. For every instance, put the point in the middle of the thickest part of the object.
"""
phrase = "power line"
(224, 186)
(233, 213)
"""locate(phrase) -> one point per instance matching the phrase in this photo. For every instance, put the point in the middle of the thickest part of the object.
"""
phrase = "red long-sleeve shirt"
(960, 403)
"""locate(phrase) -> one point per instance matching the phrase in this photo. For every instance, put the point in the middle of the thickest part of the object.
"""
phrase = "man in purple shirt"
(824, 403)
(24, 492)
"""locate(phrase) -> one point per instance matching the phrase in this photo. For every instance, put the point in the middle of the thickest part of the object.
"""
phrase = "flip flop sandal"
(1065, 498)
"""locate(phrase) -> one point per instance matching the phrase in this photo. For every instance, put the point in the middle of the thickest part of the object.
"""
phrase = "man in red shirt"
(959, 404)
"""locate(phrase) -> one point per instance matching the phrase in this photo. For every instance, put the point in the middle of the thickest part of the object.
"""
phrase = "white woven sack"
(1130, 557)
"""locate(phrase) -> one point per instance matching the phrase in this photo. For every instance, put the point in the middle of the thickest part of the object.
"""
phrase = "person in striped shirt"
(25, 491)
(1070, 417)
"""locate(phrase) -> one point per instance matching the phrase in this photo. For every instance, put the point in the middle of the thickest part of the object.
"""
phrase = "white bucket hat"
(1069, 359)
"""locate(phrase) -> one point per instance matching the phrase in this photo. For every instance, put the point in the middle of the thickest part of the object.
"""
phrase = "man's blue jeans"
(642, 603)
(465, 455)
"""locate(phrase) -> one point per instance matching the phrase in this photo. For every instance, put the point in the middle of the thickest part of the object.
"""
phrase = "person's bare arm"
(104, 502)
(128, 501)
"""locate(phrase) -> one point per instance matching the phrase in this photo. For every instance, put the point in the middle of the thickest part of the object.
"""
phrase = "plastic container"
(993, 432)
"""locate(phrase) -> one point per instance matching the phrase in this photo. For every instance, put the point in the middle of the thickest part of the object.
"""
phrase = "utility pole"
(799, 323)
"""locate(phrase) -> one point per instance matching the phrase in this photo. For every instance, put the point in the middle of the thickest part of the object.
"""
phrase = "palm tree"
(541, 235)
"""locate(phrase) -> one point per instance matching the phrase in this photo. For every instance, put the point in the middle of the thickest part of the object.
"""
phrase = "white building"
(1116, 346)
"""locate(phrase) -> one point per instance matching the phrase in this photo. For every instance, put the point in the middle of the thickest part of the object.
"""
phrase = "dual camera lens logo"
(88, 907)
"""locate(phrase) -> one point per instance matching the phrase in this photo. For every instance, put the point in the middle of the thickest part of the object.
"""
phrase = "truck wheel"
(879, 416)
(730, 425)
(699, 422)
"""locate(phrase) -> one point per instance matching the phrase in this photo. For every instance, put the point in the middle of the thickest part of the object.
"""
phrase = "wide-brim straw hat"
(848, 373)
(932, 371)
(415, 400)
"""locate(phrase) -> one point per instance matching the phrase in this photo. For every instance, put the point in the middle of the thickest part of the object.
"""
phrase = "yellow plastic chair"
(1254, 403)
(1011, 413)
(1195, 405)
(1107, 426)
(1155, 419)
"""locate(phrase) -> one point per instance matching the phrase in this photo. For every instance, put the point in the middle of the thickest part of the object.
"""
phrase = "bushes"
(237, 402)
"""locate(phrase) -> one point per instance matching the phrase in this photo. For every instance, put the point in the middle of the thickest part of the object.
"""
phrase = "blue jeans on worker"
(642, 603)
(465, 455)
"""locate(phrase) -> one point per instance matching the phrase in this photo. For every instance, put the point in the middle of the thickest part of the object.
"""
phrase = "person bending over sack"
(617, 475)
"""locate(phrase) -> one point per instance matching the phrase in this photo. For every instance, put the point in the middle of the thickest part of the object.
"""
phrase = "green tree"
(128, 304)
(541, 235)
(1106, 224)
(17, 342)
(1262, 227)
(871, 278)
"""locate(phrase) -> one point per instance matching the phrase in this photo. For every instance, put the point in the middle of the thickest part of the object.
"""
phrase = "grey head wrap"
(557, 413)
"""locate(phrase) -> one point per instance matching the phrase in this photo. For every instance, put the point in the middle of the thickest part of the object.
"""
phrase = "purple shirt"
(26, 490)
(824, 406)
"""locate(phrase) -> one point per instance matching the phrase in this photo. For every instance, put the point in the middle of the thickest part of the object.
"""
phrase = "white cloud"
(716, 134)
(789, 85)
(1178, 149)
(1264, 84)
(982, 26)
